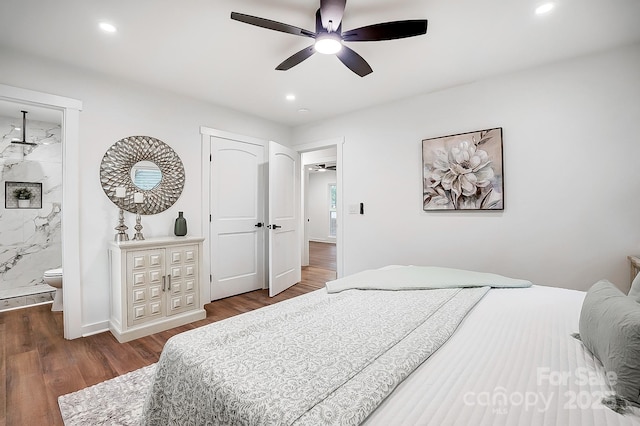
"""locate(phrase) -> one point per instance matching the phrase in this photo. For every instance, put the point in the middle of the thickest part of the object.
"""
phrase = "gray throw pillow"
(610, 329)
(635, 288)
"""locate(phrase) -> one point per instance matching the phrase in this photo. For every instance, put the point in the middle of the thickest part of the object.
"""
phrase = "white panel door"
(284, 223)
(237, 210)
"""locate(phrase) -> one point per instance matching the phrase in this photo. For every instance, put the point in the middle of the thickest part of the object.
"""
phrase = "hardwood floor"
(37, 364)
(322, 255)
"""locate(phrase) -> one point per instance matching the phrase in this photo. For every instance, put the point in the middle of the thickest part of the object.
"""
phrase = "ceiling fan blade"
(387, 31)
(354, 62)
(296, 58)
(271, 25)
(331, 12)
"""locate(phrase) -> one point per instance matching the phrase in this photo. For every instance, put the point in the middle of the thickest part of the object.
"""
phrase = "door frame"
(338, 142)
(206, 133)
(70, 215)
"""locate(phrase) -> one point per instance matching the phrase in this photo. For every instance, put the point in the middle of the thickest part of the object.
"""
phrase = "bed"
(392, 353)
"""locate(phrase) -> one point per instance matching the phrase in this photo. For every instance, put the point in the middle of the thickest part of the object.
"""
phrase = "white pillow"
(635, 288)
(610, 328)
(420, 277)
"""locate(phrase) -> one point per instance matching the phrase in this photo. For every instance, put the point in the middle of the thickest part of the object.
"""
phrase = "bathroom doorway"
(31, 198)
(70, 217)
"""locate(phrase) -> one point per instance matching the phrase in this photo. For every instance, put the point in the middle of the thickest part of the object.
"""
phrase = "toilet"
(53, 277)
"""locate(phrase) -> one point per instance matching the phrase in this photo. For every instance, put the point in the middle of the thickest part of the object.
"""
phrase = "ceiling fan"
(329, 37)
(322, 167)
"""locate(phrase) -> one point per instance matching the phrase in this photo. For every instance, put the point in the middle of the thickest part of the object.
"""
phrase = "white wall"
(570, 163)
(114, 109)
(571, 152)
(318, 206)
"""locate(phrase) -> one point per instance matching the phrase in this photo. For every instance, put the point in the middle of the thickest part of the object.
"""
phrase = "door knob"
(259, 225)
(274, 226)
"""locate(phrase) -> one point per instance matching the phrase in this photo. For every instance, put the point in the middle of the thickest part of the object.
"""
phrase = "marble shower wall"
(30, 239)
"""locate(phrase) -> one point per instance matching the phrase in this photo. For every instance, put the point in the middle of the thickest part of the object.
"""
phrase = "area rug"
(115, 402)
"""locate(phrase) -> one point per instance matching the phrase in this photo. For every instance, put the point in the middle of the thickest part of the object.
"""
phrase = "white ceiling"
(194, 48)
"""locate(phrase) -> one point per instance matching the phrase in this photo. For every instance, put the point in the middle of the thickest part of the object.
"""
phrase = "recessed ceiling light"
(544, 8)
(107, 27)
(291, 97)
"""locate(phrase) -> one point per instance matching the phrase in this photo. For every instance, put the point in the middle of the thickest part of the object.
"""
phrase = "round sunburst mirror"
(142, 164)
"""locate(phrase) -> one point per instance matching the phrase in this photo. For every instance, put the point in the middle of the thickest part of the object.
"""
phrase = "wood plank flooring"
(322, 255)
(37, 364)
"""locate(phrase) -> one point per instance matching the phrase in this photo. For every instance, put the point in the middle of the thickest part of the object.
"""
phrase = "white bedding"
(315, 359)
(511, 362)
(412, 277)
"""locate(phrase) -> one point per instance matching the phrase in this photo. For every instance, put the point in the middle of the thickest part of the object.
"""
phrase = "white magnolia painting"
(463, 171)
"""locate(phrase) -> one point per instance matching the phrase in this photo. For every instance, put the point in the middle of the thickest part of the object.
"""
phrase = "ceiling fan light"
(107, 27)
(328, 44)
(544, 8)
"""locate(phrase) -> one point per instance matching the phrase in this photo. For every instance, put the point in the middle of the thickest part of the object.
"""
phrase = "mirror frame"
(115, 171)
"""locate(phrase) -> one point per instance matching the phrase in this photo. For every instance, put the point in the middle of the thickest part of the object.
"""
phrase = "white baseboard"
(95, 328)
(152, 327)
(320, 240)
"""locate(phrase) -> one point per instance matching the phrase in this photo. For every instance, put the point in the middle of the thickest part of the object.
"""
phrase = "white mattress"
(511, 362)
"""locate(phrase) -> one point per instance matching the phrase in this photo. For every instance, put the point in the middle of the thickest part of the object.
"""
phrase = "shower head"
(24, 131)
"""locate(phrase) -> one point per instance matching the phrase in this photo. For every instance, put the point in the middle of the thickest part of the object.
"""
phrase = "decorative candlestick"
(138, 198)
(121, 228)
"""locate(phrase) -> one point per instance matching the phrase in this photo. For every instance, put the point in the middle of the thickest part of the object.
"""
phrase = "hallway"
(322, 255)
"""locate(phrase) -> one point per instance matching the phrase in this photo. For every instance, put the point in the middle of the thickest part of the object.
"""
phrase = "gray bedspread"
(316, 359)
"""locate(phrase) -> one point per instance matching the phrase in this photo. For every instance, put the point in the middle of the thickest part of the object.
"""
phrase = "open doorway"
(30, 168)
(70, 231)
(327, 153)
(320, 208)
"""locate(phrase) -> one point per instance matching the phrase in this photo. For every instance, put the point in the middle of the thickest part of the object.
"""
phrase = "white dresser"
(155, 285)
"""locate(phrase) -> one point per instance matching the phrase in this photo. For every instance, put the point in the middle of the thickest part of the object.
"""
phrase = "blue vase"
(180, 227)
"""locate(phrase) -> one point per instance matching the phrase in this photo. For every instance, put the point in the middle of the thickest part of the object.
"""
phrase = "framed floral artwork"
(463, 171)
